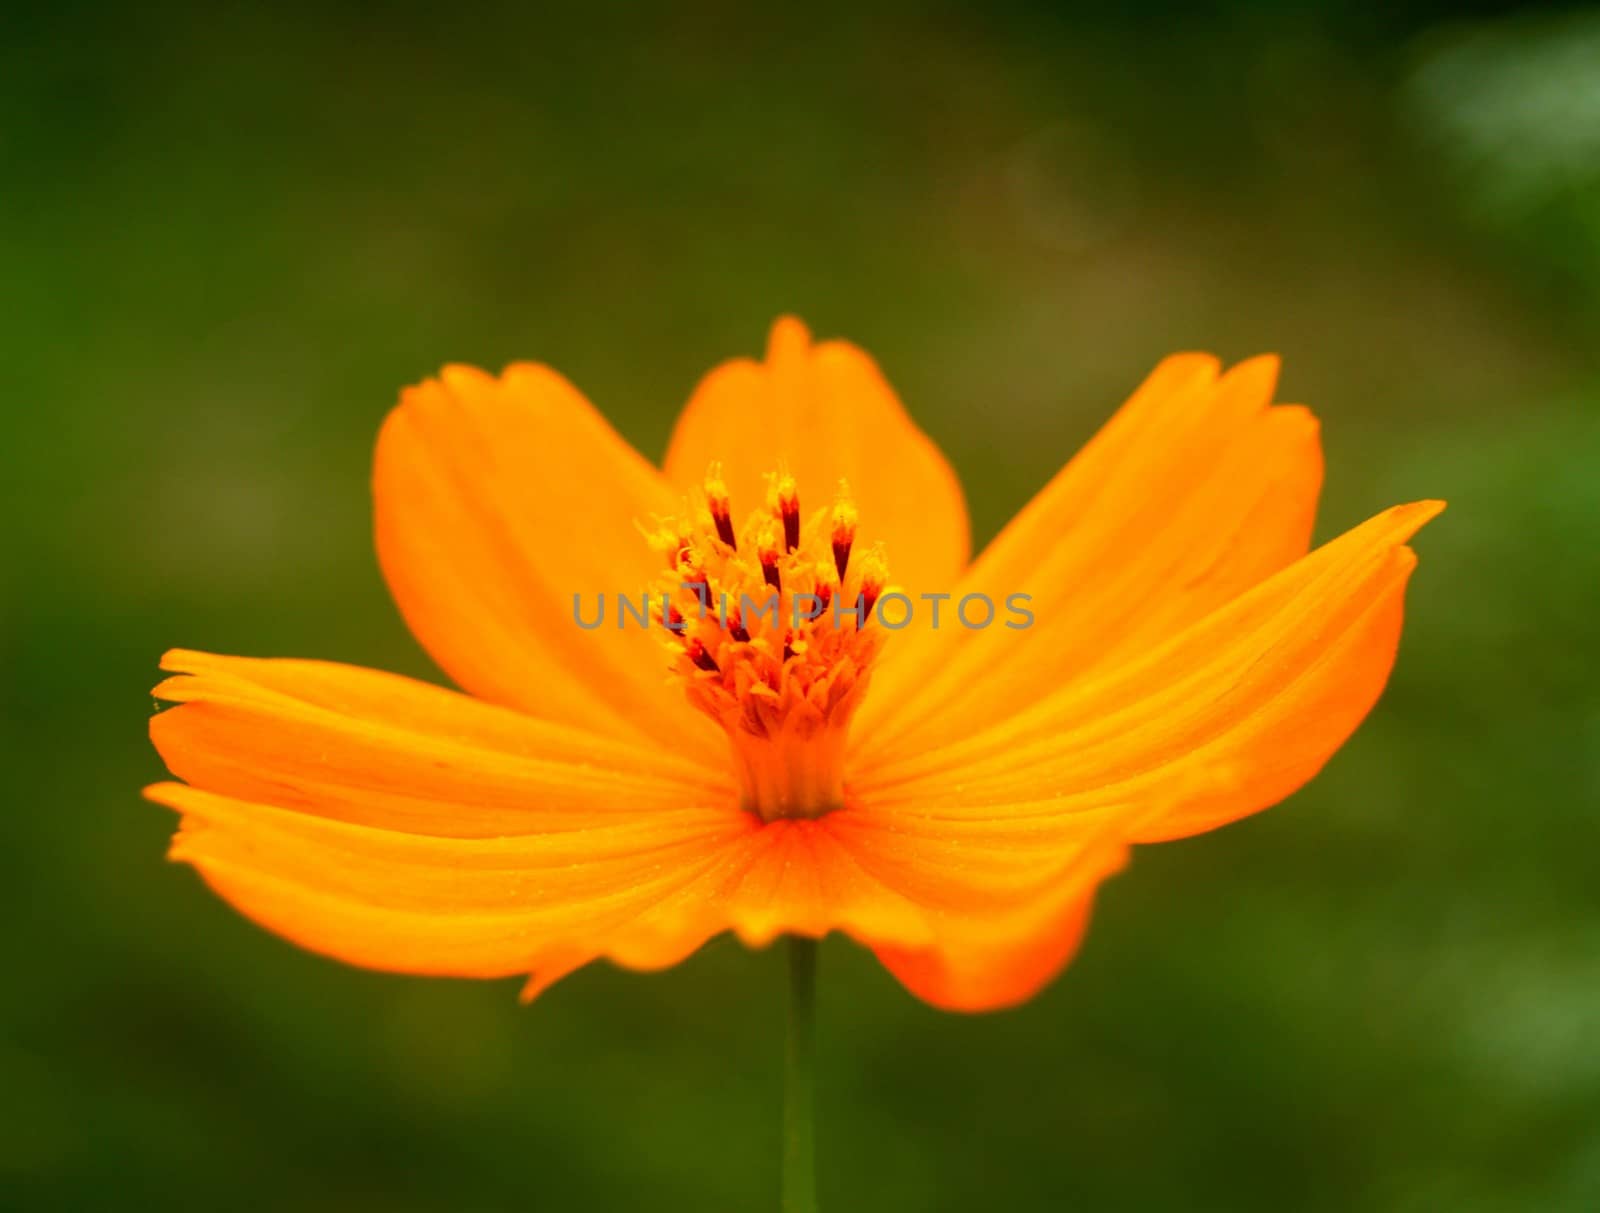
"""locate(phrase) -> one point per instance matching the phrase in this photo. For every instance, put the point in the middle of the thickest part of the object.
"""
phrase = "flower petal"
(381, 750)
(782, 877)
(826, 412)
(942, 905)
(1195, 491)
(403, 826)
(498, 500)
(327, 868)
(1263, 691)
(1227, 718)
(990, 966)
(443, 906)
(1010, 897)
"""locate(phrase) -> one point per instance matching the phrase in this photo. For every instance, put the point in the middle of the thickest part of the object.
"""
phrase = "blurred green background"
(229, 236)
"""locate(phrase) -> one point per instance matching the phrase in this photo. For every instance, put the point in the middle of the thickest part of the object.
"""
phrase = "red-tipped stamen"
(694, 577)
(769, 564)
(874, 576)
(844, 529)
(869, 599)
(718, 503)
(701, 656)
(786, 503)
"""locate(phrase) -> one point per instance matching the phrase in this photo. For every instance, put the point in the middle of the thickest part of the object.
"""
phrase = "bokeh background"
(227, 237)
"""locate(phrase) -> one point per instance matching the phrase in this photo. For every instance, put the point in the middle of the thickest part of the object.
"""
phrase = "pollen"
(765, 627)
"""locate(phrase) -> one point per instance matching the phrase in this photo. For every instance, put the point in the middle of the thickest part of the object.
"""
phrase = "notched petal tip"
(183, 665)
(547, 971)
(172, 689)
(169, 795)
(180, 661)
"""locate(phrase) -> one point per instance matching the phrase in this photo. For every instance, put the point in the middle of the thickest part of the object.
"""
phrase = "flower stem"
(799, 1145)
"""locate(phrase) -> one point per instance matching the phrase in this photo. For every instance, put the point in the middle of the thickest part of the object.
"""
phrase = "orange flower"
(950, 796)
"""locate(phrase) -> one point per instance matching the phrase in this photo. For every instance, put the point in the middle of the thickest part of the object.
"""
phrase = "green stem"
(799, 1086)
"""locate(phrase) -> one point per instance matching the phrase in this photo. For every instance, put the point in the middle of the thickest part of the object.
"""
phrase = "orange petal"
(988, 966)
(645, 889)
(943, 906)
(1260, 693)
(1195, 491)
(826, 412)
(783, 877)
(444, 906)
(498, 500)
(1010, 897)
(1223, 720)
(382, 750)
(402, 826)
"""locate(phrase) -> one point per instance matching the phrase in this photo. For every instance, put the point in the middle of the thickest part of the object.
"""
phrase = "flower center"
(769, 629)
